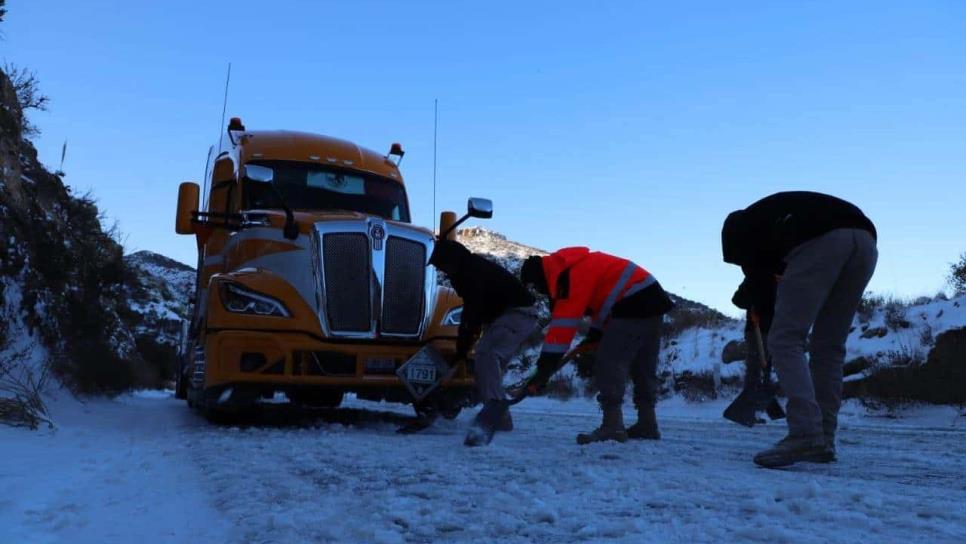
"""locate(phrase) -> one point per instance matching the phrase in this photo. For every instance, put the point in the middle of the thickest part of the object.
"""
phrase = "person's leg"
(498, 344)
(827, 346)
(619, 344)
(812, 270)
(643, 372)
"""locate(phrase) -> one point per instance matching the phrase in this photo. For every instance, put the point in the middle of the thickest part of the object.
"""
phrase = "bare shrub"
(868, 305)
(895, 315)
(21, 399)
(27, 87)
(957, 275)
(905, 354)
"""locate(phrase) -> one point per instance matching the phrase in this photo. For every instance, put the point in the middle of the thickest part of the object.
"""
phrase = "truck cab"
(312, 280)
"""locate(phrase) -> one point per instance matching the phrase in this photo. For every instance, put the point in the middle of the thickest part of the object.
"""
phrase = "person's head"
(734, 238)
(532, 274)
(448, 256)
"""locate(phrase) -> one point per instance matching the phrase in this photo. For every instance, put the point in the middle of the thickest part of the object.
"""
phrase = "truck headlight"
(240, 300)
(453, 317)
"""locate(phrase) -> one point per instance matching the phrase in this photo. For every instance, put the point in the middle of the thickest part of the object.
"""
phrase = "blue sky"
(633, 128)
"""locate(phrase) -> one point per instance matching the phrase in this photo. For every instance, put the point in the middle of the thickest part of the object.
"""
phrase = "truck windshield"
(310, 187)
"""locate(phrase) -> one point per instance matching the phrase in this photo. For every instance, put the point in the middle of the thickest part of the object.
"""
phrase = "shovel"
(759, 396)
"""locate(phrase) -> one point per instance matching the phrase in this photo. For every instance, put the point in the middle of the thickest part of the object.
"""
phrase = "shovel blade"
(775, 410)
(742, 410)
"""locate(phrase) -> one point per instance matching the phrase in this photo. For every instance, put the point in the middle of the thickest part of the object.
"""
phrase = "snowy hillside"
(509, 253)
(884, 336)
(162, 297)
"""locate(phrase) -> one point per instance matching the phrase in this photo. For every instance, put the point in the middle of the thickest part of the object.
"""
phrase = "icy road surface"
(144, 469)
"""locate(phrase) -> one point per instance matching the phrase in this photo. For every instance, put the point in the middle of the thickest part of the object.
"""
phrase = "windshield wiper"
(291, 228)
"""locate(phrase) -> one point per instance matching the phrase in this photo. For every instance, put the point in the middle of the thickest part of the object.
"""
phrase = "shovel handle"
(759, 342)
(567, 357)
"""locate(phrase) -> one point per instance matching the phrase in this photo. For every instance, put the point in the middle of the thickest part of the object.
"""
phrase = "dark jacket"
(487, 289)
(760, 236)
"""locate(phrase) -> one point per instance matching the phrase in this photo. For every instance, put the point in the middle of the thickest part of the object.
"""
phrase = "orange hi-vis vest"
(596, 282)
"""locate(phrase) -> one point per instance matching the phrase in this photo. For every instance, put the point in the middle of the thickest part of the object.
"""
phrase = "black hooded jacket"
(760, 236)
(487, 289)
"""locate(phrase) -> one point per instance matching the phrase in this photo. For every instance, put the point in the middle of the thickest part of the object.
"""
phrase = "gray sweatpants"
(820, 291)
(500, 341)
(628, 346)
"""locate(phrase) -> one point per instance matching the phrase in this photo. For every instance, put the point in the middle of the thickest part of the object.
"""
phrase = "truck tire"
(180, 386)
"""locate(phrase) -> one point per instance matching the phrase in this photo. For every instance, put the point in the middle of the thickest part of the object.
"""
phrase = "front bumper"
(296, 359)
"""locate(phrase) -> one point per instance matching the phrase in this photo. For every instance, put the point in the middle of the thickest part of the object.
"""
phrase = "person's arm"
(568, 312)
(469, 331)
(757, 289)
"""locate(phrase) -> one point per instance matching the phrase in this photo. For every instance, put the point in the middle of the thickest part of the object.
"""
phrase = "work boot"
(810, 448)
(492, 417)
(830, 446)
(829, 426)
(646, 426)
(422, 421)
(612, 428)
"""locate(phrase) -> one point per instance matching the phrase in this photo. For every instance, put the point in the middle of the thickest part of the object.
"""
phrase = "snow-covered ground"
(143, 468)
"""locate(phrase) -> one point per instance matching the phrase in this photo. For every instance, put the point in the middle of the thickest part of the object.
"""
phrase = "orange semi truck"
(312, 280)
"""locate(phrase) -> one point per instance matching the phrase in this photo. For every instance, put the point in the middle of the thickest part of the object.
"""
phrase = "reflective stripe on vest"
(615, 292)
(638, 287)
(565, 322)
(555, 349)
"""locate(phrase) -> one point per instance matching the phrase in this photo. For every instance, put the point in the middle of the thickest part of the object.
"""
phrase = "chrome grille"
(347, 272)
(403, 296)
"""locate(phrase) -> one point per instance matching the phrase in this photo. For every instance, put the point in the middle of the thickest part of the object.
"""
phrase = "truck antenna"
(221, 136)
(435, 125)
(224, 107)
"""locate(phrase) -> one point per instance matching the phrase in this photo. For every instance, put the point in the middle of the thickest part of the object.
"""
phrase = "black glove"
(744, 297)
(593, 338)
(757, 290)
(585, 354)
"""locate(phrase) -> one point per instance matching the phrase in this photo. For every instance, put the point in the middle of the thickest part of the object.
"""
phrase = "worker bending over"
(625, 305)
(824, 249)
(496, 303)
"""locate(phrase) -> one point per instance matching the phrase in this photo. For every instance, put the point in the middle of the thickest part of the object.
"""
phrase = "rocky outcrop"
(940, 380)
(62, 276)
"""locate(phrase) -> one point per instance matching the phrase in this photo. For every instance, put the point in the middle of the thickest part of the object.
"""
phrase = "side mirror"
(187, 204)
(481, 208)
(258, 173)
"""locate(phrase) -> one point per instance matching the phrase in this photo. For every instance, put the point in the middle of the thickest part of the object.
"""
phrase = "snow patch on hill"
(163, 297)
